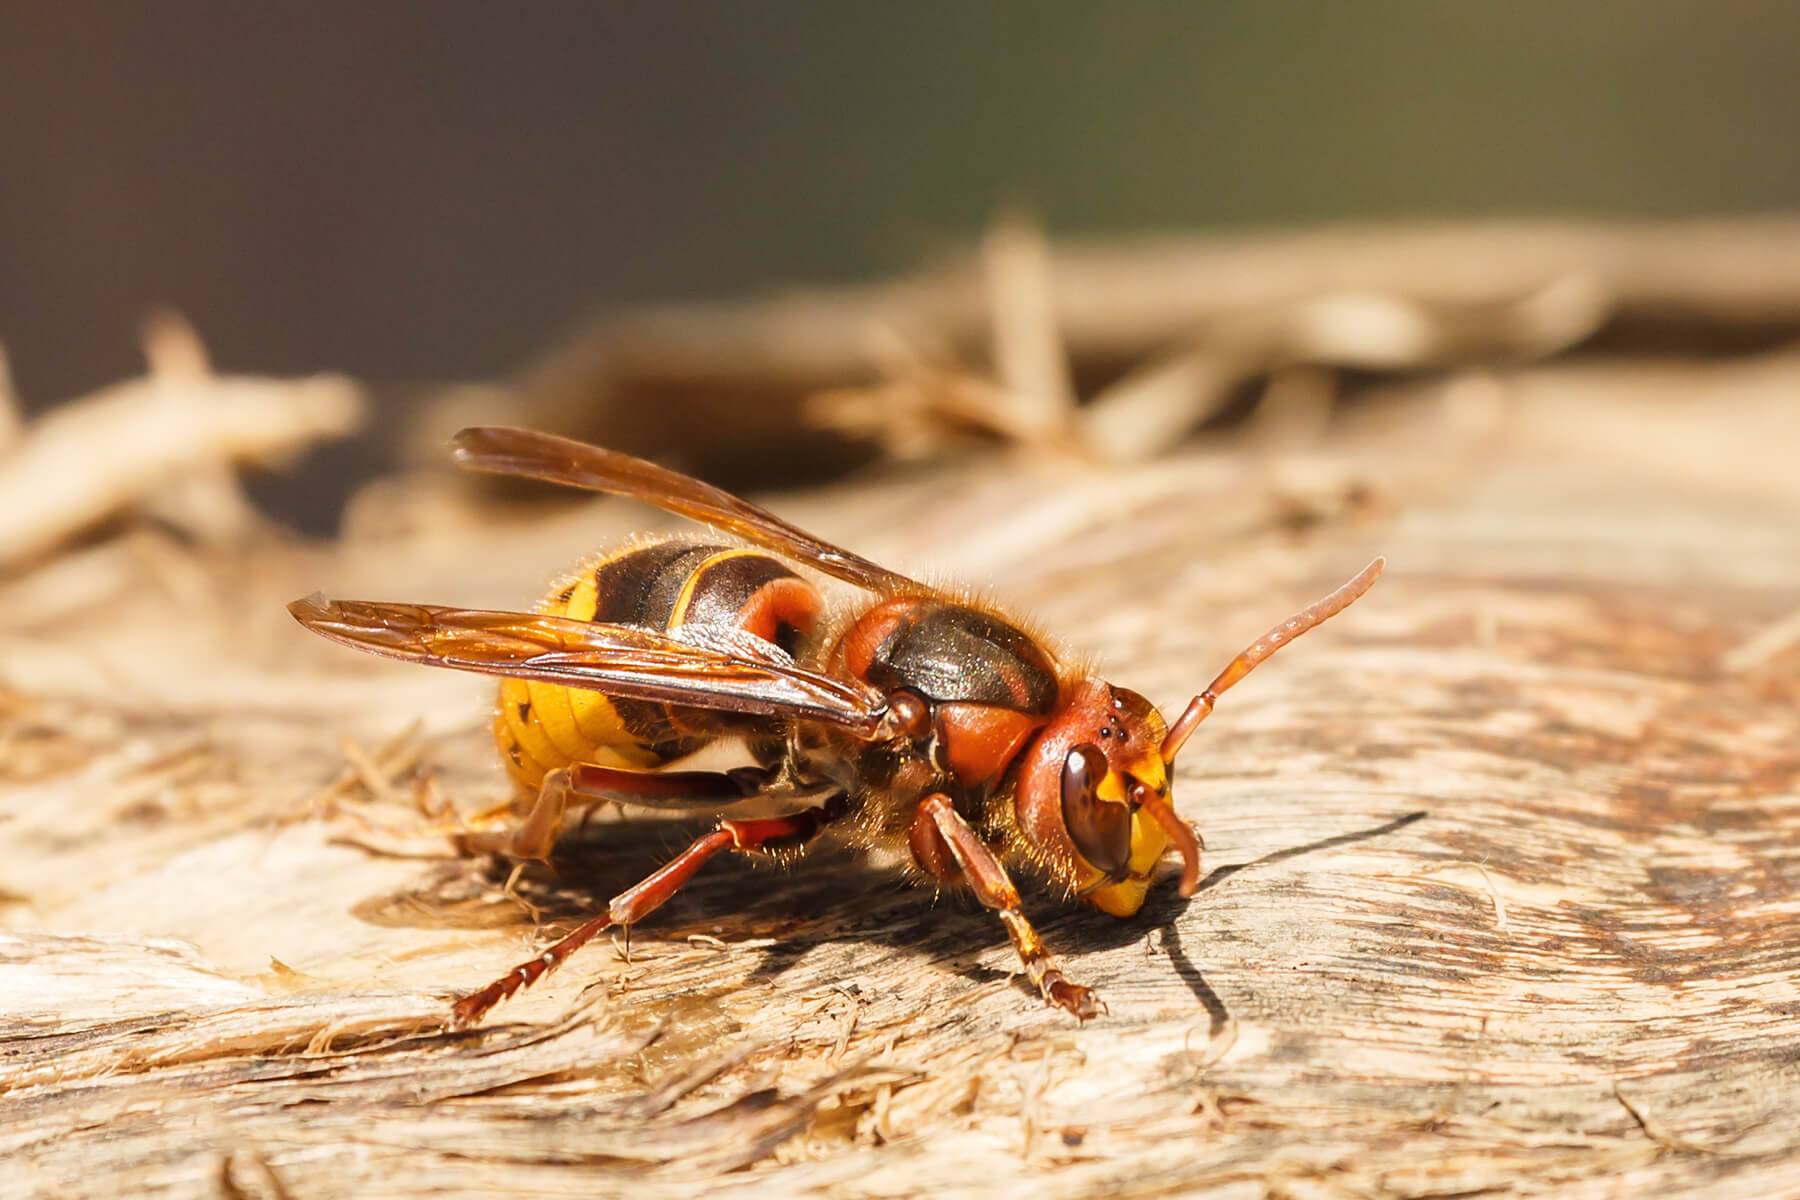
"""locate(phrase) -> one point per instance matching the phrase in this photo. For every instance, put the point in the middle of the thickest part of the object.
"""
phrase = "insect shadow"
(1219, 875)
(832, 896)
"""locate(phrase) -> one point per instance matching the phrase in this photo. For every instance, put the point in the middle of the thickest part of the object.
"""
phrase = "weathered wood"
(1501, 879)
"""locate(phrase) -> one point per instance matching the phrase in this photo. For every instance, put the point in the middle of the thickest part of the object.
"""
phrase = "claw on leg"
(1058, 991)
(1083, 1003)
(510, 889)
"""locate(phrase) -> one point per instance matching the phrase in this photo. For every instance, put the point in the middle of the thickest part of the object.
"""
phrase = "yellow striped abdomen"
(540, 727)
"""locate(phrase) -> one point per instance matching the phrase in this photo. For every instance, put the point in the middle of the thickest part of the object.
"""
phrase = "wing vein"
(501, 450)
(619, 660)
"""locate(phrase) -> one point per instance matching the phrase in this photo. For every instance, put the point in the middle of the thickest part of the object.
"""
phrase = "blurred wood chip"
(1122, 347)
(168, 444)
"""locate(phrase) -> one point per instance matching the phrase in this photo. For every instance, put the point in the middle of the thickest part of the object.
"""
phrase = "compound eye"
(1100, 830)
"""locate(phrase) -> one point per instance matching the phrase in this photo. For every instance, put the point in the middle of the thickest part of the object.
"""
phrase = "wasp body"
(914, 720)
(661, 585)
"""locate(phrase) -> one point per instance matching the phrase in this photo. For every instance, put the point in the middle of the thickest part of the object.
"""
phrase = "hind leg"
(584, 784)
(788, 833)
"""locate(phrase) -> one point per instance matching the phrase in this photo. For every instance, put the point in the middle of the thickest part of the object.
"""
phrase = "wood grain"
(1500, 898)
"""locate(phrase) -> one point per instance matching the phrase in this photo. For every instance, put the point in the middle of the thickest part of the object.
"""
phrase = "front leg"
(938, 828)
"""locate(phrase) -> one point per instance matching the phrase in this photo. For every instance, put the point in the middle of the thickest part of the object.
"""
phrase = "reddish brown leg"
(636, 903)
(988, 879)
(668, 789)
(584, 784)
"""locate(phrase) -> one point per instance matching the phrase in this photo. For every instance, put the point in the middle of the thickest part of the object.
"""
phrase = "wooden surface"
(1500, 894)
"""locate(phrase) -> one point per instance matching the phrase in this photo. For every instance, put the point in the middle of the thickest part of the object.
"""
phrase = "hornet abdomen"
(656, 585)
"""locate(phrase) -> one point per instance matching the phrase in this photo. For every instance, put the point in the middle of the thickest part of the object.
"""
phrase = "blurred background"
(1158, 319)
(403, 193)
(416, 195)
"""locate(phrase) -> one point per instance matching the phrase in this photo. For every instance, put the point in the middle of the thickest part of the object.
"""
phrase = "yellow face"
(1092, 799)
(1148, 840)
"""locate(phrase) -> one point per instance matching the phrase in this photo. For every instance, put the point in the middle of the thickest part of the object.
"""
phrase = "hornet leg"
(585, 784)
(636, 903)
(988, 879)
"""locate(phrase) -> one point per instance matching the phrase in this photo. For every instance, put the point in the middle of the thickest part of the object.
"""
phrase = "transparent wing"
(500, 450)
(619, 660)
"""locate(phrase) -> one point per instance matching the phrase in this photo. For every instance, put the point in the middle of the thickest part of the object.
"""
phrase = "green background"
(414, 192)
